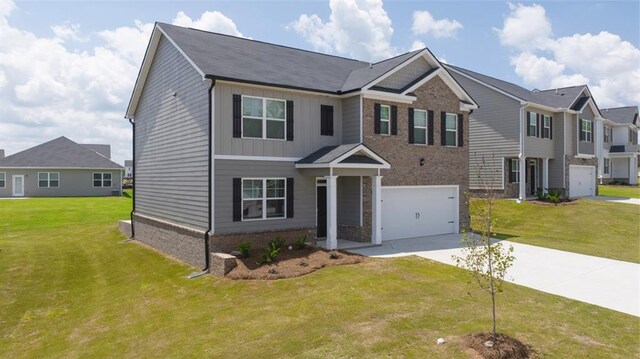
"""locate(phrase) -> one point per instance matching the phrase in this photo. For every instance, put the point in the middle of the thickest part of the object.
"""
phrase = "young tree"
(486, 260)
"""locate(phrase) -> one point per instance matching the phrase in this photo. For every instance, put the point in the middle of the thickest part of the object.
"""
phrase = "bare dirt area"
(505, 347)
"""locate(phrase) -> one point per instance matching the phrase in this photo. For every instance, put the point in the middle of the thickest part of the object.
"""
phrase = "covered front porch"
(356, 162)
(536, 177)
(623, 167)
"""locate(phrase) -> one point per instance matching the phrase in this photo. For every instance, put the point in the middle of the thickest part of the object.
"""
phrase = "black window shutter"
(330, 120)
(394, 120)
(551, 128)
(376, 118)
(526, 123)
(237, 116)
(430, 127)
(538, 116)
(290, 197)
(411, 139)
(289, 120)
(460, 130)
(581, 132)
(511, 174)
(326, 120)
(237, 199)
(443, 128)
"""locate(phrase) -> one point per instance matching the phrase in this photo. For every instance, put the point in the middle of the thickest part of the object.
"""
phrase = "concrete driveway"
(605, 282)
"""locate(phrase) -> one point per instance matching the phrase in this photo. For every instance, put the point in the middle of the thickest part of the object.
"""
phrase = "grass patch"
(619, 191)
(596, 228)
(72, 288)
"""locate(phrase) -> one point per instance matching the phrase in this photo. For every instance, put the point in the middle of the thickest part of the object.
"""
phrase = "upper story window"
(607, 134)
(451, 129)
(420, 127)
(586, 133)
(385, 119)
(263, 198)
(3, 179)
(633, 137)
(532, 129)
(48, 179)
(546, 126)
(102, 179)
(263, 118)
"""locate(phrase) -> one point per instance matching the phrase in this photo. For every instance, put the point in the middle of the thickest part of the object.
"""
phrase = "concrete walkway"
(605, 282)
(626, 200)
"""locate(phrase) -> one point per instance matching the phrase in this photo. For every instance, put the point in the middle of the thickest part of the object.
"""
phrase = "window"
(385, 119)
(514, 175)
(102, 180)
(546, 127)
(606, 166)
(585, 130)
(263, 198)
(607, 134)
(3, 179)
(48, 179)
(263, 118)
(533, 124)
(420, 127)
(633, 137)
(451, 128)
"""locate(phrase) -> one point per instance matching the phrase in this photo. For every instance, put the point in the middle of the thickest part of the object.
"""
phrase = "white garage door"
(416, 211)
(582, 181)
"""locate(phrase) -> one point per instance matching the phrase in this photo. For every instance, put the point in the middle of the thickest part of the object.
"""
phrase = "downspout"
(521, 154)
(133, 173)
(207, 255)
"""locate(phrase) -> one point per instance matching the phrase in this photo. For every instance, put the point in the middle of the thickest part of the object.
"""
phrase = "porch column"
(545, 175)
(522, 193)
(633, 170)
(332, 212)
(376, 209)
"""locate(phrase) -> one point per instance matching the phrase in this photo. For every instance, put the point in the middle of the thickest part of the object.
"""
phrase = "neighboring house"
(302, 144)
(60, 168)
(618, 157)
(523, 142)
(128, 169)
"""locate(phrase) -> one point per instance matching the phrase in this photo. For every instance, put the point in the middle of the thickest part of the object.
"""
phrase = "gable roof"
(623, 115)
(348, 155)
(58, 153)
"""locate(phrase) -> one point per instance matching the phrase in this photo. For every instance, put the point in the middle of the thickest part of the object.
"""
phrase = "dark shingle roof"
(104, 150)
(58, 153)
(627, 114)
(252, 61)
(328, 153)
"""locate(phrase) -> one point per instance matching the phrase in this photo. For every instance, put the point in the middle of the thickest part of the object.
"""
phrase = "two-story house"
(524, 142)
(618, 146)
(240, 140)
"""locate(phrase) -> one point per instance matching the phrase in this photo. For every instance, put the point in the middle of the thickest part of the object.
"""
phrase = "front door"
(18, 185)
(532, 179)
(321, 200)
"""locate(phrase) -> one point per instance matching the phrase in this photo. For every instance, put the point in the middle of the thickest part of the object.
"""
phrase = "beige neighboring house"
(60, 168)
(618, 155)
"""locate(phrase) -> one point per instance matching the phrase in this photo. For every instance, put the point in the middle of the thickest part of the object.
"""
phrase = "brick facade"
(229, 242)
(442, 165)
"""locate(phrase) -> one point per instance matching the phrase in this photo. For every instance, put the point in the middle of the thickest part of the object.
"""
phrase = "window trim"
(546, 126)
(606, 166)
(388, 120)
(48, 180)
(533, 132)
(425, 127)
(263, 199)
(264, 118)
(449, 130)
(583, 129)
(93, 180)
(607, 134)
(4, 179)
(515, 168)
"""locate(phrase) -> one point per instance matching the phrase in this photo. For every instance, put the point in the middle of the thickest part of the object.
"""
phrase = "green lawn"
(619, 191)
(70, 287)
(597, 228)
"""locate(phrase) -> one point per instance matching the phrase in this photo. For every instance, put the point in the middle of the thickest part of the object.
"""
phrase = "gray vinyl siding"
(171, 144)
(570, 144)
(556, 165)
(493, 132)
(588, 148)
(538, 147)
(72, 182)
(306, 139)
(351, 120)
(349, 200)
(406, 75)
(304, 195)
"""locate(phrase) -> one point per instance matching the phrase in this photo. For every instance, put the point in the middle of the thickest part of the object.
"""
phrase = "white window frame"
(533, 116)
(546, 125)
(425, 127)
(4, 179)
(583, 129)
(264, 198)
(606, 164)
(48, 179)
(455, 131)
(607, 134)
(388, 120)
(93, 180)
(264, 118)
(515, 168)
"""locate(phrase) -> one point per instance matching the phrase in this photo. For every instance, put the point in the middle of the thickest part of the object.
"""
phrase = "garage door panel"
(582, 181)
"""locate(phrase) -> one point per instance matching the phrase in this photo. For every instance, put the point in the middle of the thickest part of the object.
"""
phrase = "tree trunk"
(490, 259)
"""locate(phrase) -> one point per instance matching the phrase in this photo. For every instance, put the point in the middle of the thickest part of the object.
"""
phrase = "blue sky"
(95, 51)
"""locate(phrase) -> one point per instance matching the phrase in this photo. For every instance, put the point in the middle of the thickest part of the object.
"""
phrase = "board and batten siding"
(588, 148)
(171, 144)
(351, 120)
(349, 202)
(304, 195)
(538, 147)
(493, 132)
(72, 183)
(571, 134)
(556, 165)
(306, 123)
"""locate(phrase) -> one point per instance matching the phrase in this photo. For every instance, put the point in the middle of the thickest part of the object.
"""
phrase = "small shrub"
(540, 194)
(273, 271)
(273, 249)
(554, 197)
(245, 249)
(301, 243)
(304, 263)
(334, 255)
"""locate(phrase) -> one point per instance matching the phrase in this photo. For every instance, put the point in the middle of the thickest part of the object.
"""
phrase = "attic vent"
(370, 65)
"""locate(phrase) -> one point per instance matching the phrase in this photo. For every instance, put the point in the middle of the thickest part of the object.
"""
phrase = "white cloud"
(6, 7)
(610, 65)
(208, 21)
(357, 28)
(68, 31)
(417, 45)
(424, 23)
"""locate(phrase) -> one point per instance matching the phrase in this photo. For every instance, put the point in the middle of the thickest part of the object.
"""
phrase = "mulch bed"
(505, 347)
(545, 203)
(291, 263)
